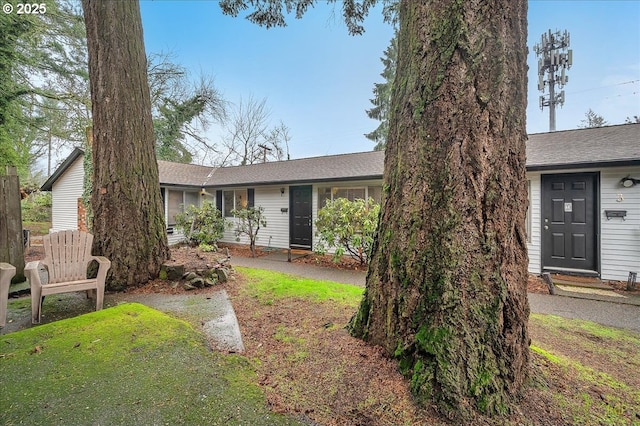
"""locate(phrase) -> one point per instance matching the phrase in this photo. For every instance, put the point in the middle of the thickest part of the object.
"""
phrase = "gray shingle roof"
(598, 146)
(595, 147)
(362, 165)
(183, 174)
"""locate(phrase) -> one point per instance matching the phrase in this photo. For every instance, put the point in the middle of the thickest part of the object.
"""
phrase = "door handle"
(546, 227)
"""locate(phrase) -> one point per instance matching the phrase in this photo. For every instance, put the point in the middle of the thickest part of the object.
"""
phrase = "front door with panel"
(300, 217)
(569, 222)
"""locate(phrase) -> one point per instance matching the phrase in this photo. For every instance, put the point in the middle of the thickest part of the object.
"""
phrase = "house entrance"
(300, 218)
(569, 222)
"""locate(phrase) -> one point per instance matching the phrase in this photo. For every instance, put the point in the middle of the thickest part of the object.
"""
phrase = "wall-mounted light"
(281, 191)
(204, 192)
(628, 182)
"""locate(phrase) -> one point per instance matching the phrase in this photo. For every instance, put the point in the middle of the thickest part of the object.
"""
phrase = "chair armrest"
(7, 267)
(104, 265)
(32, 274)
(6, 270)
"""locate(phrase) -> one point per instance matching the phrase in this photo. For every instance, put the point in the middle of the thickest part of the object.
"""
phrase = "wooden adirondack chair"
(7, 272)
(67, 255)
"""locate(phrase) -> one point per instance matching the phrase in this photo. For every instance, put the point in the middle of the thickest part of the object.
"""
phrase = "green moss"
(125, 365)
(431, 340)
(163, 273)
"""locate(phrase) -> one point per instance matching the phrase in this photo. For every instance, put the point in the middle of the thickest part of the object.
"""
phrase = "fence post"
(11, 242)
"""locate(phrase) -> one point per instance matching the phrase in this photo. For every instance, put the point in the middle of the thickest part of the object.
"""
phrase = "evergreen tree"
(382, 96)
(128, 215)
(446, 287)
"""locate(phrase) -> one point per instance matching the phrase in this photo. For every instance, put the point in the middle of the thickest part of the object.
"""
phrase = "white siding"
(620, 239)
(175, 238)
(276, 233)
(534, 242)
(64, 197)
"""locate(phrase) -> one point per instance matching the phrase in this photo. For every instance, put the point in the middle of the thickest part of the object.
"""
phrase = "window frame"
(334, 189)
(167, 198)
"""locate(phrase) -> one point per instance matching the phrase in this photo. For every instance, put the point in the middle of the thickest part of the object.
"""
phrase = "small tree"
(592, 119)
(349, 227)
(249, 223)
(203, 226)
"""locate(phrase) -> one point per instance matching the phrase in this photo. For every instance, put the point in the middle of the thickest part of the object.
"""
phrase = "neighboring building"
(582, 219)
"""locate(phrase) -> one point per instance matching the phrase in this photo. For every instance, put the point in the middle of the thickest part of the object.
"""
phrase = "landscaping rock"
(208, 282)
(197, 282)
(188, 286)
(223, 275)
(189, 276)
(174, 272)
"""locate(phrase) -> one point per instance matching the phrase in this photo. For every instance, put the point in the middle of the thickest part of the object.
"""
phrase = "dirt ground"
(310, 367)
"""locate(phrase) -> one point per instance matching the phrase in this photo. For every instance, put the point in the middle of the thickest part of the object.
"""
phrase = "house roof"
(358, 166)
(581, 148)
(183, 174)
(571, 149)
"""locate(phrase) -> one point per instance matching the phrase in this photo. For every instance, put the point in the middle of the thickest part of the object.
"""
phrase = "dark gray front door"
(569, 228)
(300, 218)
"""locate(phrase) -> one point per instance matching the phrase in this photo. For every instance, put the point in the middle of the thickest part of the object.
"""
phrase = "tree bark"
(128, 223)
(446, 287)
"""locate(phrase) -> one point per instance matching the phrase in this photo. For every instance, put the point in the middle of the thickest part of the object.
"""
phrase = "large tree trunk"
(128, 222)
(446, 287)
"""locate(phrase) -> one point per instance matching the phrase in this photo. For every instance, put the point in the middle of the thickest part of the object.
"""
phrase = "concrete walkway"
(597, 306)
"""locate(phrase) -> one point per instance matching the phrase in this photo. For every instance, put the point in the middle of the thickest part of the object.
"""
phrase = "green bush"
(37, 207)
(249, 223)
(348, 227)
(202, 225)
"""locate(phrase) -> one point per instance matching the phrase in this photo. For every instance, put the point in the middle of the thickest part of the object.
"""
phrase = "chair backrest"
(67, 255)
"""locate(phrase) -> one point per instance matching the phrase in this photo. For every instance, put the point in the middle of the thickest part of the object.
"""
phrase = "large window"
(177, 201)
(236, 199)
(350, 193)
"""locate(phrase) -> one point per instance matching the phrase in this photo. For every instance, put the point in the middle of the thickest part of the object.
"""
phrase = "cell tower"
(553, 58)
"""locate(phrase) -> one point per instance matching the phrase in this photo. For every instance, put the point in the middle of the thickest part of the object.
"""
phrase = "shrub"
(37, 207)
(348, 227)
(202, 225)
(249, 223)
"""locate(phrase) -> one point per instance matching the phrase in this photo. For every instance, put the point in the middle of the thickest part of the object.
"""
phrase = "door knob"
(546, 227)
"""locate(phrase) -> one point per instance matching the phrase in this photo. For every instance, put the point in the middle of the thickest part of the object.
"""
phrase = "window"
(331, 193)
(177, 202)
(375, 192)
(236, 199)
(350, 194)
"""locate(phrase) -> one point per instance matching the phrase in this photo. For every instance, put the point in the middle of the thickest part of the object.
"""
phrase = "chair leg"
(91, 294)
(99, 293)
(36, 305)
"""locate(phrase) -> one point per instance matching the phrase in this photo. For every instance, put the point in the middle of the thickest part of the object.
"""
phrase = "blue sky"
(318, 80)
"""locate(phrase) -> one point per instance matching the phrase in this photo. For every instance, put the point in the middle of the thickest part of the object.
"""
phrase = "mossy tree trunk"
(446, 287)
(128, 216)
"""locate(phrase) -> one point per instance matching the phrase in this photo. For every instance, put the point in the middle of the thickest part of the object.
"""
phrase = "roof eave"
(583, 165)
(48, 185)
(298, 181)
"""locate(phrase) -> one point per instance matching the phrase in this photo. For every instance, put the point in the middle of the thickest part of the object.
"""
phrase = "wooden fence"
(11, 241)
